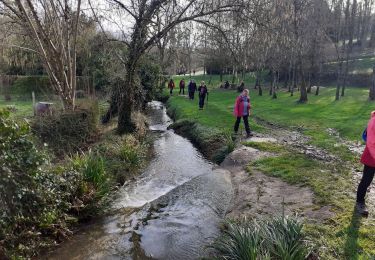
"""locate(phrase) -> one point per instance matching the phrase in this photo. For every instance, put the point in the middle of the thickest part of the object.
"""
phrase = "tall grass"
(276, 238)
(92, 168)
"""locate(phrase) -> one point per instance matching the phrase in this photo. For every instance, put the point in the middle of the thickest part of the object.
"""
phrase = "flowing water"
(171, 211)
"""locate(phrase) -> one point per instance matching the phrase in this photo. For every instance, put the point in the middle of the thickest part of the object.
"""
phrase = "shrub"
(20, 165)
(275, 238)
(124, 156)
(38, 202)
(68, 132)
(94, 184)
(28, 200)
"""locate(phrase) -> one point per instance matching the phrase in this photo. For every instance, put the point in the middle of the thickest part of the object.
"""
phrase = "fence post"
(33, 96)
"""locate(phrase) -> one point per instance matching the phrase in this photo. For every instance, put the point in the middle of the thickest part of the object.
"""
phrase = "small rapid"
(170, 211)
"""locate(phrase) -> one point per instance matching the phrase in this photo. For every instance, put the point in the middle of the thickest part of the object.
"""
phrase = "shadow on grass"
(351, 245)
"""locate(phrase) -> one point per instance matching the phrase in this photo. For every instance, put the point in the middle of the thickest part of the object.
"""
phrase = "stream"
(171, 211)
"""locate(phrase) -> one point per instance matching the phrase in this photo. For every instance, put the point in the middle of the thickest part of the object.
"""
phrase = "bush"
(27, 197)
(20, 166)
(68, 132)
(276, 238)
(93, 186)
(39, 203)
(124, 156)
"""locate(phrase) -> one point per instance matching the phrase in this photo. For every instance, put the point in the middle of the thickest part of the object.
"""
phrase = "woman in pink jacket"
(242, 109)
(368, 159)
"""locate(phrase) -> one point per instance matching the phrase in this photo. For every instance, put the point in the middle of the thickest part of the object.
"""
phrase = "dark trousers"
(201, 100)
(171, 91)
(182, 90)
(191, 95)
(368, 176)
(245, 120)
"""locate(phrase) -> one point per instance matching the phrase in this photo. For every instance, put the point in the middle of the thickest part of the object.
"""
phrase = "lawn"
(348, 116)
(345, 236)
(23, 108)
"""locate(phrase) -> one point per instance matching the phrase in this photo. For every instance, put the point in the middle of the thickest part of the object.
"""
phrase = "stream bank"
(173, 210)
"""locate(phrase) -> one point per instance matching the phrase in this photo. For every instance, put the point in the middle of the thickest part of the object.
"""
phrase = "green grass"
(361, 64)
(23, 108)
(266, 147)
(348, 116)
(344, 236)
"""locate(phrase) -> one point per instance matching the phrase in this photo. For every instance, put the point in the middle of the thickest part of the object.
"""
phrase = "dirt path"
(260, 194)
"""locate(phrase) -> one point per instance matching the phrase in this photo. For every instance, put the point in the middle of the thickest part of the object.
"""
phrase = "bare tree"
(53, 27)
(142, 37)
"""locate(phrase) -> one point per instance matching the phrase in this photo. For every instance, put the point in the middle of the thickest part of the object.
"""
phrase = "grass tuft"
(275, 238)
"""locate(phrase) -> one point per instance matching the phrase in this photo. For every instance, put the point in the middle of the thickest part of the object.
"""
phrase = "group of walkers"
(241, 108)
(192, 88)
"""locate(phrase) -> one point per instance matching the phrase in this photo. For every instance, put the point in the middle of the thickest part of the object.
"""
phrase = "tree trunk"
(294, 80)
(234, 75)
(126, 102)
(372, 88)
(338, 86)
(257, 81)
(345, 77)
(273, 88)
(303, 97)
(309, 84)
(317, 91)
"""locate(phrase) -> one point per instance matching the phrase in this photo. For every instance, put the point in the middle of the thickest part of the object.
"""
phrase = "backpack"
(364, 135)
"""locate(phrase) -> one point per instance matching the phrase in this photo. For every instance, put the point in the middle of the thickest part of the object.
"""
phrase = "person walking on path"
(171, 86)
(368, 159)
(182, 87)
(242, 109)
(192, 87)
(203, 92)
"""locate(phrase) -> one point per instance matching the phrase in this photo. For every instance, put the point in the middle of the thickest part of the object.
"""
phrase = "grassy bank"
(328, 123)
(344, 236)
(348, 116)
(45, 194)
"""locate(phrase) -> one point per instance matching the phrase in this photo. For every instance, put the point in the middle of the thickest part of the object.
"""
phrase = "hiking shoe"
(249, 135)
(361, 209)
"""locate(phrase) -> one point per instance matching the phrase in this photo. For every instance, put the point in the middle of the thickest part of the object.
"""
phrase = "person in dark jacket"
(242, 110)
(182, 87)
(192, 87)
(226, 85)
(203, 92)
(241, 87)
(171, 86)
(368, 160)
